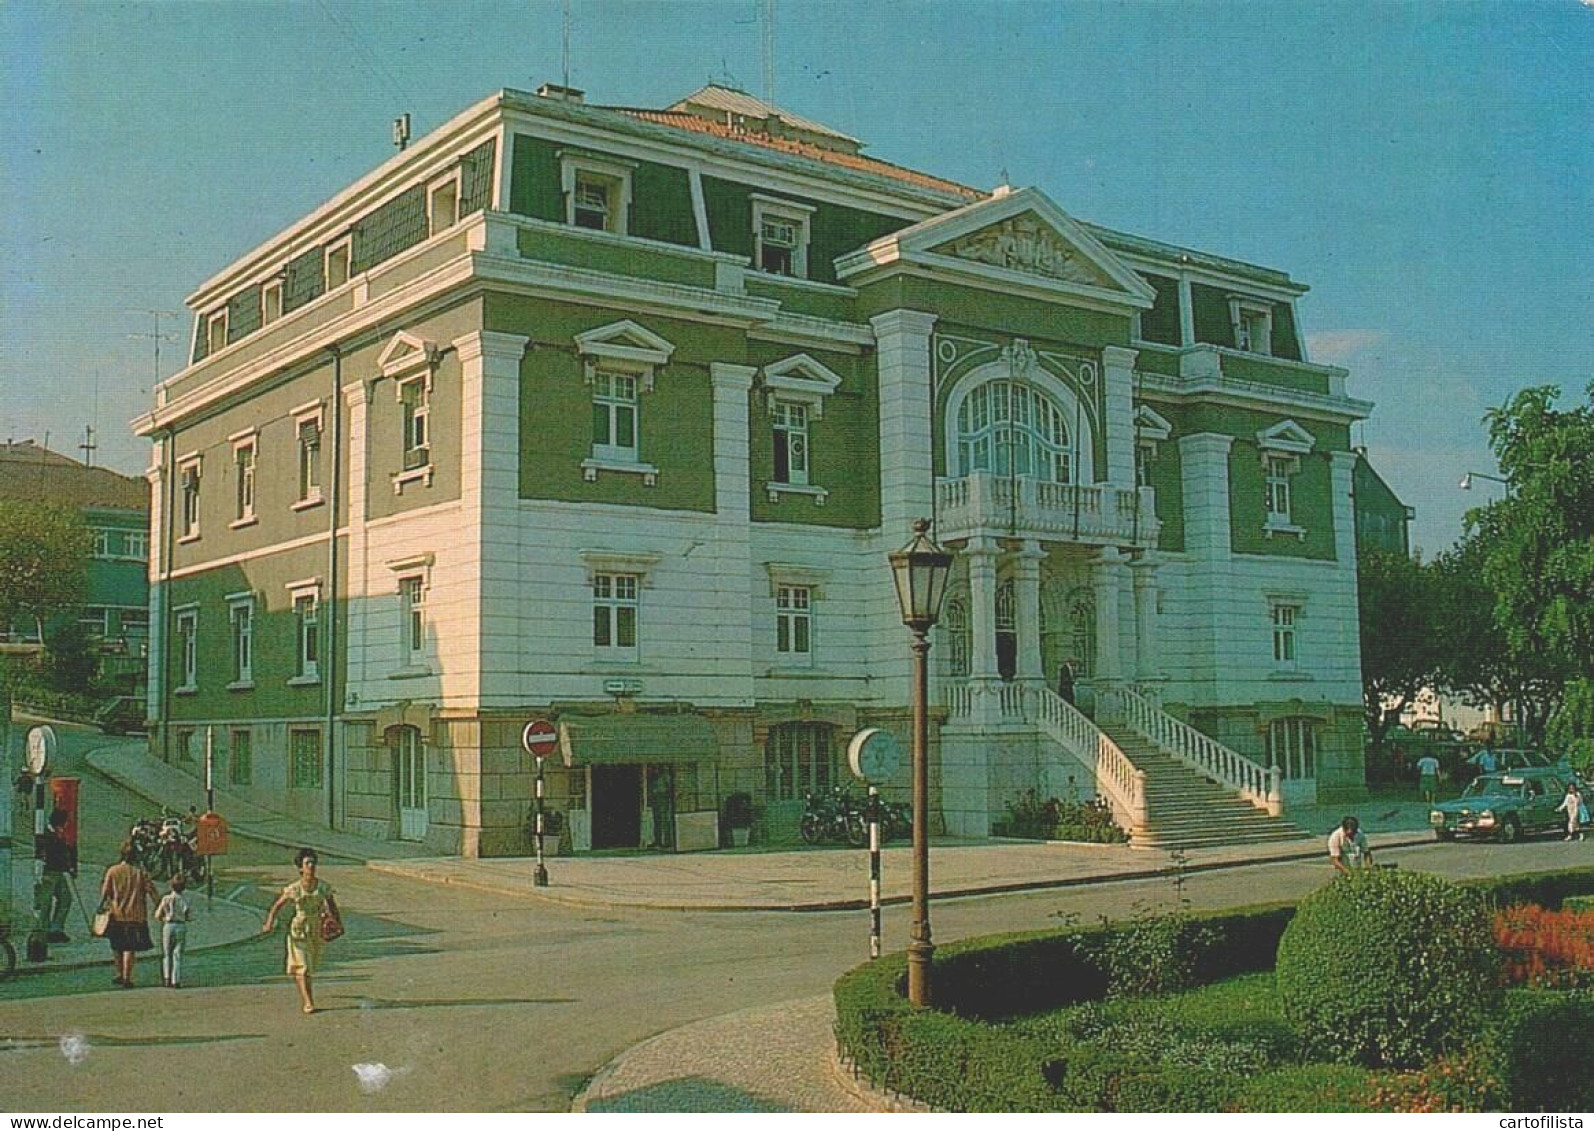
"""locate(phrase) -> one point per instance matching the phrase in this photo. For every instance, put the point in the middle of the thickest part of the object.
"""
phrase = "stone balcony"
(1097, 515)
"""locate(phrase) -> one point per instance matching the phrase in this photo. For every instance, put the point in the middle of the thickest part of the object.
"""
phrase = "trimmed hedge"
(1540, 1048)
(951, 1058)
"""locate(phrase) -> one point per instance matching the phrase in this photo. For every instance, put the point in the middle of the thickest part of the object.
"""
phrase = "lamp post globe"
(920, 569)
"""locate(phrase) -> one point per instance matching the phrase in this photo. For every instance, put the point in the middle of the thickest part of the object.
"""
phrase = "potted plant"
(739, 818)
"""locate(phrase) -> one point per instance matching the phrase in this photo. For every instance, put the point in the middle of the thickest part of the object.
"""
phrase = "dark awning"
(611, 739)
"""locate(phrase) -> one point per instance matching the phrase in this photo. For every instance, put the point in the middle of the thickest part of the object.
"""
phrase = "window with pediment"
(620, 363)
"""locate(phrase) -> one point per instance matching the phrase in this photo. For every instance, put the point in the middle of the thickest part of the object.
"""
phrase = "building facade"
(610, 416)
(116, 509)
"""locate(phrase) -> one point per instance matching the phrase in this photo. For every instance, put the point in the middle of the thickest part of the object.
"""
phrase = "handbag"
(331, 927)
(102, 922)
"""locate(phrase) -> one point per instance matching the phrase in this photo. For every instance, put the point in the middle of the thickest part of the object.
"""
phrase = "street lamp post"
(920, 569)
(1466, 480)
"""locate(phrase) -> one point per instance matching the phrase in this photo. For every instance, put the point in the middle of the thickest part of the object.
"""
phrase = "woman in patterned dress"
(312, 901)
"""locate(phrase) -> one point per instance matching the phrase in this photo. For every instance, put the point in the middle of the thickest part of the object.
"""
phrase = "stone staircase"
(1184, 809)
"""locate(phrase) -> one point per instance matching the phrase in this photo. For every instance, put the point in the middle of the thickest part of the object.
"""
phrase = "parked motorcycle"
(833, 816)
(166, 846)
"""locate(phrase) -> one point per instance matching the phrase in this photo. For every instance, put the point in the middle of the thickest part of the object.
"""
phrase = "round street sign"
(41, 748)
(875, 754)
(539, 738)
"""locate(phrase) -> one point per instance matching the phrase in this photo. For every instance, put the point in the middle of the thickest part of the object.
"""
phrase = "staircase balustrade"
(1117, 778)
(1255, 782)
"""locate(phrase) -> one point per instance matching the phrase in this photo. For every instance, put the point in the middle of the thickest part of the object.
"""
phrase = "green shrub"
(1388, 969)
(1155, 954)
(1539, 1048)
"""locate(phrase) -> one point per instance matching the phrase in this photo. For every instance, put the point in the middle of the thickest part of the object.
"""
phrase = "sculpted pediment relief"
(1029, 244)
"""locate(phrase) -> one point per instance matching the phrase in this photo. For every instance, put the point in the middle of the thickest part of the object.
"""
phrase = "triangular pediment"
(1019, 239)
(625, 340)
(1286, 436)
(404, 353)
(1151, 424)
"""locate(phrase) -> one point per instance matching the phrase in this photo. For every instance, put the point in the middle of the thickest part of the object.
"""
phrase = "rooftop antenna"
(768, 21)
(401, 132)
(88, 445)
(567, 45)
(157, 337)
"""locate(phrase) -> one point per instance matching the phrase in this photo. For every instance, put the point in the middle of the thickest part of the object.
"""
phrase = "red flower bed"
(1548, 949)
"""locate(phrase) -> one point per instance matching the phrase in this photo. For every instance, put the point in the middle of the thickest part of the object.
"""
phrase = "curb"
(548, 895)
(862, 1089)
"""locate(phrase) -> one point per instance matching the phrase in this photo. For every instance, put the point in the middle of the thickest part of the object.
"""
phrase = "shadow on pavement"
(690, 1093)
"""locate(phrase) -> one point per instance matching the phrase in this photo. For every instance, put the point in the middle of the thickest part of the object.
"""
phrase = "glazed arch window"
(1011, 428)
(597, 191)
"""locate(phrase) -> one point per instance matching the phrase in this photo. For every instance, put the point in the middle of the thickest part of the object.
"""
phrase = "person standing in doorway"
(1065, 682)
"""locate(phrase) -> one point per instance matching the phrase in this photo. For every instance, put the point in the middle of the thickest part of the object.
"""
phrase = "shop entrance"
(616, 806)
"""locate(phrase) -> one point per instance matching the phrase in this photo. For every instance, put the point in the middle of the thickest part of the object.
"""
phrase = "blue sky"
(1427, 167)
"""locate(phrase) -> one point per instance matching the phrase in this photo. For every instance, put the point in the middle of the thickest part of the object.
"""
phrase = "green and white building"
(610, 416)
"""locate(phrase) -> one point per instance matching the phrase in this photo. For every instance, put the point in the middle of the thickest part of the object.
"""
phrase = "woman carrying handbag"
(316, 921)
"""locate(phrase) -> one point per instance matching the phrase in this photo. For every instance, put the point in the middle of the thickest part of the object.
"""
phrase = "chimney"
(561, 93)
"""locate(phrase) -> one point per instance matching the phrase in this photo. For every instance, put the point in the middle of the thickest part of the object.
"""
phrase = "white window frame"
(799, 216)
(616, 391)
(613, 594)
(798, 380)
(306, 632)
(785, 577)
(415, 424)
(436, 224)
(1252, 322)
(576, 166)
(135, 545)
(1284, 618)
(102, 543)
(185, 626)
(189, 481)
(1151, 430)
(293, 758)
(1282, 447)
(248, 760)
(630, 349)
(216, 332)
(410, 361)
(795, 606)
(245, 469)
(412, 575)
(338, 252)
(241, 640)
(270, 302)
(308, 493)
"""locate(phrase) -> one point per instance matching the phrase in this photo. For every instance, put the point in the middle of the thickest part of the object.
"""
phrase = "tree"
(1478, 659)
(44, 561)
(1540, 561)
(1400, 654)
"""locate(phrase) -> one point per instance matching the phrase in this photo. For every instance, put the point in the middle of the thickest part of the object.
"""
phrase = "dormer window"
(780, 236)
(1252, 320)
(442, 204)
(338, 264)
(597, 192)
(270, 302)
(216, 332)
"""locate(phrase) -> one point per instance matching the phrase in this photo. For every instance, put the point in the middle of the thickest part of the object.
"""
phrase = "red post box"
(64, 795)
(210, 835)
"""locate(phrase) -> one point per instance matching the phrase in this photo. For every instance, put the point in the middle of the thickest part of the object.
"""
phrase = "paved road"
(477, 1001)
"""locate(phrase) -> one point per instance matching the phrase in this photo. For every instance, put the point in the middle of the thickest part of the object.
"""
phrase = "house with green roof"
(608, 416)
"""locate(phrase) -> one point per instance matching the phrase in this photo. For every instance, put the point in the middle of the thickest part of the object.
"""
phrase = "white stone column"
(1143, 570)
(155, 681)
(733, 554)
(1349, 644)
(1118, 377)
(907, 415)
(1209, 547)
(359, 591)
(982, 554)
(1107, 581)
(1027, 590)
(489, 494)
(1186, 312)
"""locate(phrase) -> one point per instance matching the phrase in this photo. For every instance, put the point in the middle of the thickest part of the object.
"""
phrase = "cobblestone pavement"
(789, 1067)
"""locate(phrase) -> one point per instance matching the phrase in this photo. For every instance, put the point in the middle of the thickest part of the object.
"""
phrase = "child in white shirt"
(174, 914)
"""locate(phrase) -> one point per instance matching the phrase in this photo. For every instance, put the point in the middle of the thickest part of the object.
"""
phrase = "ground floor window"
(1292, 746)
(304, 759)
(799, 758)
(240, 768)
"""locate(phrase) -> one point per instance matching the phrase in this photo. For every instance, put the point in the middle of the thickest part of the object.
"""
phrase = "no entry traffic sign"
(539, 738)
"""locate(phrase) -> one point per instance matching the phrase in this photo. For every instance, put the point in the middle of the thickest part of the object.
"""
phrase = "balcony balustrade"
(1101, 514)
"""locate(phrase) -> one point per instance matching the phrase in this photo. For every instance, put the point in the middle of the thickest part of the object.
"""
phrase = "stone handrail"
(1253, 781)
(1117, 778)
